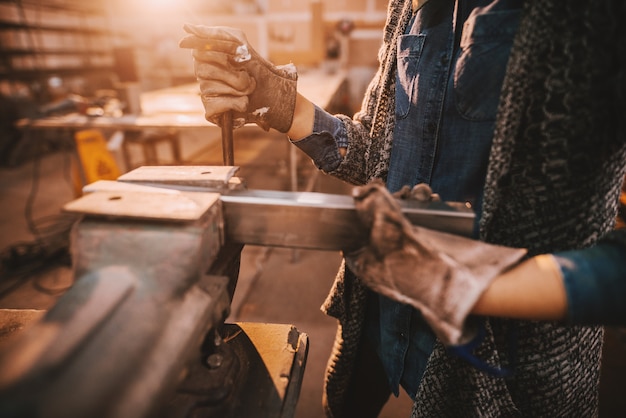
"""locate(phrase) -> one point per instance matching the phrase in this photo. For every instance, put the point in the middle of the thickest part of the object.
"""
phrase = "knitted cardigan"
(553, 182)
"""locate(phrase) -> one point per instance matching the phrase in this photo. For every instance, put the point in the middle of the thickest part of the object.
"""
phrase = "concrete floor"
(275, 285)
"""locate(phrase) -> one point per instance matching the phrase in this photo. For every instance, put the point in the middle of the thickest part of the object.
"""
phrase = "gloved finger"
(213, 57)
(403, 193)
(218, 88)
(380, 212)
(239, 120)
(216, 105)
(218, 58)
(220, 33)
(387, 233)
(217, 38)
(369, 198)
(202, 44)
(420, 192)
(239, 80)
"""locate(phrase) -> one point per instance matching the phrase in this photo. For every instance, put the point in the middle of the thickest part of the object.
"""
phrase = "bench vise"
(142, 331)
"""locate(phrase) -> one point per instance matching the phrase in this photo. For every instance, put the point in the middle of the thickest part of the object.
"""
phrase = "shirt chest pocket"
(485, 48)
(409, 53)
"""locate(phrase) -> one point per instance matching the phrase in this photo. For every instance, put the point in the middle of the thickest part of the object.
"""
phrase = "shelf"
(83, 52)
(70, 39)
(31, 74)
(77, 6)
(9, 25)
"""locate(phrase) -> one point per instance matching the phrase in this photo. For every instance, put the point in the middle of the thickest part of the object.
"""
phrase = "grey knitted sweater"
(556, 167)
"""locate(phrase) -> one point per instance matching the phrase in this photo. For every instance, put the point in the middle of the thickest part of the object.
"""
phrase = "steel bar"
(320, 221)
(307, 220)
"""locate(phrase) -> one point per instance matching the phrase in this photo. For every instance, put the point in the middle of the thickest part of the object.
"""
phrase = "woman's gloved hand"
(440, 274)
(234, 77)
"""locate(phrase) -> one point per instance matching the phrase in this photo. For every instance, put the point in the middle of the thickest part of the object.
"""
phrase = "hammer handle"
(227, 139)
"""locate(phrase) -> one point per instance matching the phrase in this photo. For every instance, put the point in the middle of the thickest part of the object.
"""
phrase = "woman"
(546, 179)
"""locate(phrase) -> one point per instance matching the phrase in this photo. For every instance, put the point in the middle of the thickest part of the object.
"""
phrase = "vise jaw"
(140, 307)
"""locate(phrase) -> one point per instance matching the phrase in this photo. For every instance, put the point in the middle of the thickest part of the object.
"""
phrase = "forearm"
(583, 287)
(532, 290)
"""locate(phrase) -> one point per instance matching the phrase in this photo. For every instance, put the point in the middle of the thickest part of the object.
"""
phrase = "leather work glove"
(440, 274)
(233, 76)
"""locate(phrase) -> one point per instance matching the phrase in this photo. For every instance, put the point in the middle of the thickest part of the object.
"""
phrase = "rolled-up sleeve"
(323, 144)
(595, 283)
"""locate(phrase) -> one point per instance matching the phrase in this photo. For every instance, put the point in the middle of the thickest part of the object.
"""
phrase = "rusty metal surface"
(143, 205)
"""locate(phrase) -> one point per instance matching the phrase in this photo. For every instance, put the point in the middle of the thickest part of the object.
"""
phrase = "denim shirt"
(450, 67)
(595, 282)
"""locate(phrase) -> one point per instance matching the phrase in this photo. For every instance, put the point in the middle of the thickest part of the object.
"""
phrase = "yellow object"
(96, 161)
(418, 4)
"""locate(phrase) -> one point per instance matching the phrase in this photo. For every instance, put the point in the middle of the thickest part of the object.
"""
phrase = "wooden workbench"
(180, 107)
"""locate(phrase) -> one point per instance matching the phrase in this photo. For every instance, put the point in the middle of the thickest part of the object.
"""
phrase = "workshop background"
(100, 58)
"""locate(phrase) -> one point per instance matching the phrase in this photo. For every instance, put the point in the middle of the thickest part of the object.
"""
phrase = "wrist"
(303, 118)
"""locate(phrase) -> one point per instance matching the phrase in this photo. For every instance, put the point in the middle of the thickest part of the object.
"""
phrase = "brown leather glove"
(233, 76)
(440, 274)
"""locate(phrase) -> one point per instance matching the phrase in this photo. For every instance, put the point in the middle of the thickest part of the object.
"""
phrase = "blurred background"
(51, 49)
